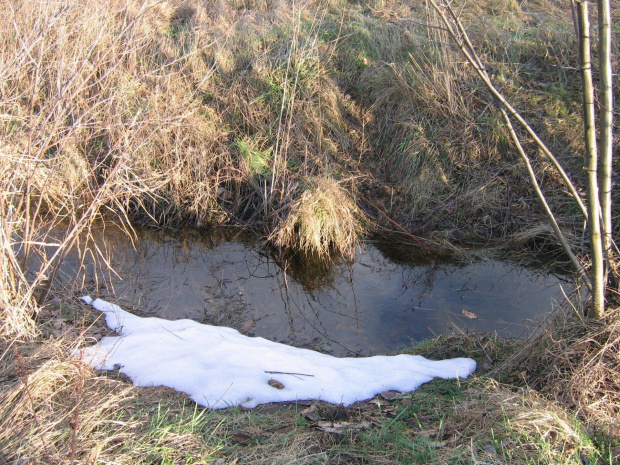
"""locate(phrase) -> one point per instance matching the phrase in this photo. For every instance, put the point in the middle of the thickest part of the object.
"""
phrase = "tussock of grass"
(324, 219)
(497, 424)
(45, 392)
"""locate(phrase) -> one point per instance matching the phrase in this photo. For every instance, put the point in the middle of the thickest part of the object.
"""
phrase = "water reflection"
(374, 305)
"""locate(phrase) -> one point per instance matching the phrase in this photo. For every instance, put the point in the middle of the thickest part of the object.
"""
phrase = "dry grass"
(57, 410)
(419, 101)
(135, 112)
(498, 424)
(253, 112)
(323, 220)
(437, 134)
(576, 362)
(86, 131)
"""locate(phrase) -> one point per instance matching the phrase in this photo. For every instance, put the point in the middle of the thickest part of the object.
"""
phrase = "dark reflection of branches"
(289, 300)
(355, 308)
(310, 272)
(407, 254)
(325, 284)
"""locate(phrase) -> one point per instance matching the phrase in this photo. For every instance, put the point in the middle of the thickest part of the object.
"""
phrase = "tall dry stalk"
(606, 112)
(594, 207)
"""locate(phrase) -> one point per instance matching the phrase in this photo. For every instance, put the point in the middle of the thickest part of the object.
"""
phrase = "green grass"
(258, 161)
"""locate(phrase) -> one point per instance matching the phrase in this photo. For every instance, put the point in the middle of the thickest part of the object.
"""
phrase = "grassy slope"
(55, 410)
(201, 115)
(287, 120)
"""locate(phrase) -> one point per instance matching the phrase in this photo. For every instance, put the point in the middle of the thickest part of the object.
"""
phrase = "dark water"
(380, 303)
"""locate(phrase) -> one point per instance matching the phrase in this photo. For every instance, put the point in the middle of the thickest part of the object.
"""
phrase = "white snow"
(219, 367)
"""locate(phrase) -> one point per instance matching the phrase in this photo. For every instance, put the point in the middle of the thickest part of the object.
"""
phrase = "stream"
(380, 303)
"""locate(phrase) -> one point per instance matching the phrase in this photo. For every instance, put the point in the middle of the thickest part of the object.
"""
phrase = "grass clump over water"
(324, 220)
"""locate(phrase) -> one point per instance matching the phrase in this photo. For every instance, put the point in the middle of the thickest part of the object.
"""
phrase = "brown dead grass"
(512, 426)
(56, 410)
(324, 219)
(576, 362)
(45, 393)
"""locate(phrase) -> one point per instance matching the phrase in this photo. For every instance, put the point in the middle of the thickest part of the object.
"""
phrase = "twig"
(75, 421)
(395, 223)
(556, 228)
(285, 373)
(166, 329)
(23, 376)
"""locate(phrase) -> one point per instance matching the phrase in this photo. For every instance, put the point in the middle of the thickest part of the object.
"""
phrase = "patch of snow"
(219, 367)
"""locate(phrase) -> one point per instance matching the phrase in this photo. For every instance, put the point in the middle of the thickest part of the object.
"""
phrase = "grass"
(56, 410)
(445, 422)
(301, 121)
(324, 220)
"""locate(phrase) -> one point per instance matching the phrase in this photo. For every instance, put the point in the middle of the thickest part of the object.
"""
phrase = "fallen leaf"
(271, 408)
(470, 315)
(486, 365)
(380, 406)
(247, 326)
(310, 409)
(581, 346)
(223, 193)
(310, 413)
(377, 402)
(489, 448)
(238, 438)
(275, 384)
(428, 432)
(223, 461)
(389, 395)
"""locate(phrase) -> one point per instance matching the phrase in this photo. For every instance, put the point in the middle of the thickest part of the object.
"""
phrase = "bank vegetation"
(313, 124)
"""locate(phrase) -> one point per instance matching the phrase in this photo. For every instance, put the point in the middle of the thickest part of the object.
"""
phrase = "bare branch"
(462, 40)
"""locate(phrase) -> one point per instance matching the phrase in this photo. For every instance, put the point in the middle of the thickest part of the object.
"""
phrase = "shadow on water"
(383, 301)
